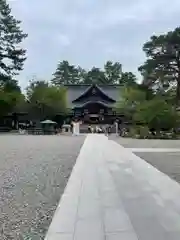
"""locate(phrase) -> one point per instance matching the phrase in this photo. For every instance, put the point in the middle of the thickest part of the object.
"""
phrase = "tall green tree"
(113, 72)
(10, 101)
(66, 74)
(95, 75)
(45, 101)
(157, 114)
(82, 75)
(130, 97)
(162, 68)
(128, 79)
(12, 56)
(33, 86)
(10, 85)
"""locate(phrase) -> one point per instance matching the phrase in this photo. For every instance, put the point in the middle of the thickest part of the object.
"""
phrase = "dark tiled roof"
(113, 91)
(74, 91)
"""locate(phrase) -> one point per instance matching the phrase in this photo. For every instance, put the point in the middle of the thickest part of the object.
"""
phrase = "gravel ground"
(168, 163)
(33, 174)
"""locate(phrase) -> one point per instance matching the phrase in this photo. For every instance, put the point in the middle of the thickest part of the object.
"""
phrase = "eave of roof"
(91, 102)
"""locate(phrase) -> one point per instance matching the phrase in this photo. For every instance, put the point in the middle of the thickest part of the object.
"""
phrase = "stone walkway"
(113, 194)
(155, 150)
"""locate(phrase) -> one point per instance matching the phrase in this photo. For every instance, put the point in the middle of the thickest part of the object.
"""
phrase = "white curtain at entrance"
(76, 129)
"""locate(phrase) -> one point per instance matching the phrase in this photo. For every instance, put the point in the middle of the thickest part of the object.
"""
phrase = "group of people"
(106, 129)
(99, 129)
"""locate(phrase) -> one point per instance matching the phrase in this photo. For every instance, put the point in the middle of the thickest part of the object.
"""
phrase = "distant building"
(93, 103)
(90, 103)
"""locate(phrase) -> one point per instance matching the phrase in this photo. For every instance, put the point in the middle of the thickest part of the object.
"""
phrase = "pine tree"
(12, 56)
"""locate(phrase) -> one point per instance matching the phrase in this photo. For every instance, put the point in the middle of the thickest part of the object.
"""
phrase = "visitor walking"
(109, 129)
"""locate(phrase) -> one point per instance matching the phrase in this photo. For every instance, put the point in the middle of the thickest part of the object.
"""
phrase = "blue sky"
(89, 32)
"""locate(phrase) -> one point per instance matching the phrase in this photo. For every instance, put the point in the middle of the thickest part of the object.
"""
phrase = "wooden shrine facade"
(93, 103)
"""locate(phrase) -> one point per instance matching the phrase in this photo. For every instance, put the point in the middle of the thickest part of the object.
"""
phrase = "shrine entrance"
(93, 118)
(94, 112)
(94, 106)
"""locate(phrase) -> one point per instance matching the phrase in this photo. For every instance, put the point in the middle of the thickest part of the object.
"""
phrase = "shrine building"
(93, 103)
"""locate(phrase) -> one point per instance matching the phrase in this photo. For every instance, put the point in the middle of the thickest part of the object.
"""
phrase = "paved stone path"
(113, 194)
(166, 150)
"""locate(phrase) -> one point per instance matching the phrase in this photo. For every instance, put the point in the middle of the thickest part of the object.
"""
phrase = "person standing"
(116, 127)
(71, 127)
(76, 127)
(109, 129)
(106, 129)
(90, 129)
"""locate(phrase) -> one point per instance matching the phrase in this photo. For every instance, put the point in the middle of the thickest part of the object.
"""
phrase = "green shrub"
(134, 132)
(156, 114)
(144, 132)
(139, 132)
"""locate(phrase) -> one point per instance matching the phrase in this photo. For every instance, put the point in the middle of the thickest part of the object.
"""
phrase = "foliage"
(9, 85)
(12, 56)
(95, 75)
(130, 97)
(112, 72)
(134, 96)
(149, 110)
(46, 100)
(139, 132)
(128, 79)
(143, 132)
(34, 85)
(9, 101)
(133, 132)
(156, 114)
(149, 93)
(65, 74)
(162, 68)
